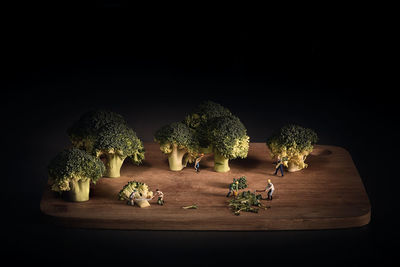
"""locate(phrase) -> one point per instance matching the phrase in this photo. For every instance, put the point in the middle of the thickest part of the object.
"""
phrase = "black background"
(55, 68)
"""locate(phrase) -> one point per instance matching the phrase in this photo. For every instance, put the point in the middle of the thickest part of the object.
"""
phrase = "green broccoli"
(137, 192)
(71, 172)
(292, 144)
(245, 201)
(242, 182)
(198, 120)
(83, 132)
(179, 142)
(228, 138)
(116, 142)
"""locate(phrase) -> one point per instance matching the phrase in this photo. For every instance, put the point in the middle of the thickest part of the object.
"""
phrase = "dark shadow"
(247, 163)
(321, 152)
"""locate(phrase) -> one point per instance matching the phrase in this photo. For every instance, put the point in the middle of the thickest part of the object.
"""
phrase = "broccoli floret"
(245, 201)
(293, 144)
(136, 191)
(71, 172)
(198, 119)
(116, 142)
(179, 142)
(229, 140)
(83, 132)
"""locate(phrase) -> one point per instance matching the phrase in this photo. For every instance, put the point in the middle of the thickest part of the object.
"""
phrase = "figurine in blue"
(197, 162)
(131, 200)
(233, 188)
(279, 166)
(269, 189)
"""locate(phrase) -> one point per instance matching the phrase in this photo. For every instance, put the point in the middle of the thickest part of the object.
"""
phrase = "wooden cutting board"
(328, 194)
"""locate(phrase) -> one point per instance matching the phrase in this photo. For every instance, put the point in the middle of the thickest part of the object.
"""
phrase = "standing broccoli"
(199, 118)
(115, 142)
(83, 132)
(179, 142)
(293, 143)
(71, 172)
(228, 139)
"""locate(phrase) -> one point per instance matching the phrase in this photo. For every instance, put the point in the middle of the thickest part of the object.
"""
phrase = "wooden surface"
(328, 194)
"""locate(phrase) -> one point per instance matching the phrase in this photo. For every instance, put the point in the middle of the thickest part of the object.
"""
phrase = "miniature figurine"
(279, 166)
(197, 162)
(160, 200)
(233, 189)
(294, 143)
(269, 189)
(131, 200)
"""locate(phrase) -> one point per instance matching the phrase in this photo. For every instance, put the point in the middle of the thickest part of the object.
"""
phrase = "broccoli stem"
(221, 164)
(296, 163)
(113, 165)
(79, 190)
(175, 158)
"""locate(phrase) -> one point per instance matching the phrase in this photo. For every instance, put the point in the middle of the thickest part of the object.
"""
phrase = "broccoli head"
(72, 170)
(83, 132)
(229, 140)
(136, 191)
(115, 142)
(179, 142)
(293, 144)
(200, 116)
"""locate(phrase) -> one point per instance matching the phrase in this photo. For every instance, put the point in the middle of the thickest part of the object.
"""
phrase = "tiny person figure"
(279, 166)
(160, 200)
(233, 187)
(131, 200)
(197, 162)
(269, 189)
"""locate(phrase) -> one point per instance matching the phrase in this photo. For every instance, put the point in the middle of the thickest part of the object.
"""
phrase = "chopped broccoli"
(141, 193)
(116, 142)
(83, 132)
(229, 140)
(242, 182)
(179, 142)
(245, 201)
(198, 120)
(71, 172)
(292, 144)
(194, 206)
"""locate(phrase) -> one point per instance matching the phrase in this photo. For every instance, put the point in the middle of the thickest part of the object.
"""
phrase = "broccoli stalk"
(71, 172)
(292, 143)
(229, 140)
(198, 119)
(115, 142)
(179, 142)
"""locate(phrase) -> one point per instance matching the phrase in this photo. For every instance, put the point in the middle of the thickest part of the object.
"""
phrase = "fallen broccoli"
(229, 140)
(242, 182)
(71, 172)
(137, 192)
(83, 132)
(116, 142)
(179, 142)
(292, 143)
(245, 201)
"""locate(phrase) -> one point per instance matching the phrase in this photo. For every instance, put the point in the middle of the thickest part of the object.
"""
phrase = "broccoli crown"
(177, 133)
(92, 121)
(228, 136)
(73, 164)
(293, 136)
(120, 139)
(141, 190)
(204, 112)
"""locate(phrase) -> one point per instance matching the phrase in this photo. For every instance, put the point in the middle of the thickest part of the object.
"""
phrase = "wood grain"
(328, 194)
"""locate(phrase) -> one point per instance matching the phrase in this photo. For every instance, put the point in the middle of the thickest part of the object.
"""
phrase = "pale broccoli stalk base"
(296, 163)
(221, 164)
(113, 165)
(175, 159)
(79, 191)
